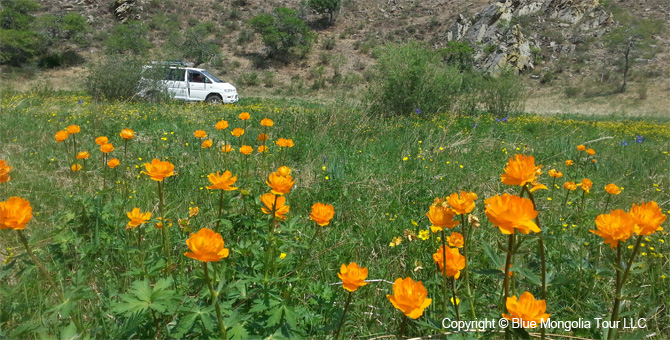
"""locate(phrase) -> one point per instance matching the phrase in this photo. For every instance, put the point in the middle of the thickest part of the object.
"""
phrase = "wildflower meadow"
(288, 219)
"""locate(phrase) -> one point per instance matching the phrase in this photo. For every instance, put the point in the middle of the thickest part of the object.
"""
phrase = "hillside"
(559, 46)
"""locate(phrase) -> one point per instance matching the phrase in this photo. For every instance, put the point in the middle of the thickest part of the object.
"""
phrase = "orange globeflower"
(61, 136)
(246, 149)
(207, 246)
(137, 218)
(227, 148)
(102, 140)
(72, 129)
(463, 204)
(441, 216)
(127, 134)
(279, 184)
(262, 137)
(616, 226)
(555, 173)
(581, 147)
(221, 125)
(322, 213)
(648, 218)
(244, 116)
(262, 149)
(4, 171)
(279, 202)
(267, 122)
(113, 163)
(286, 143)
(409, 297)
(157, 170)
(15, 213)
(83, 155)
(75, 167)
(206, 143)
(591, 152)
(570, 186)
(352, 276)
(520, 170)
(586, 185)
(237, 132)
(526, 309)
(284, 170)
(106, 148)
(224, 181)
(455, 261)
(612, 189)
(200, 134)
(510, 212)
(569, 162)
(456, 240)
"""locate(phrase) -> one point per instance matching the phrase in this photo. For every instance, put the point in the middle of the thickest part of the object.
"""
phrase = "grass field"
(380, 174)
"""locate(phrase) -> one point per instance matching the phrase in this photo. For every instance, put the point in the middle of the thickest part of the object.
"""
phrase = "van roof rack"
(172, 63)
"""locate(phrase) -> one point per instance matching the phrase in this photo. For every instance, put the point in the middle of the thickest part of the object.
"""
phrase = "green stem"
(453, 293)
(540, 245)
(442, 272)
(215, 302)
(466, 233)
(620, 283)
(508, 261)
(269, 250)
(218, 219)
(344, 314)
(166, 235)
(403, 326)
(607, 203)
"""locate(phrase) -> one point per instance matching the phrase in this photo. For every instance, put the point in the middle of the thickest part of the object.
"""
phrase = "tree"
(283, 33)
(129, 37)
(20, 43)
(197, 44)
(326, 7)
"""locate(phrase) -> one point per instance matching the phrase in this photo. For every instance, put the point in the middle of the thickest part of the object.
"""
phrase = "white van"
(195, 84)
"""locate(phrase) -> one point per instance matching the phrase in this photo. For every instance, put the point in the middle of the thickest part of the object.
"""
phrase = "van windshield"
(213, 78)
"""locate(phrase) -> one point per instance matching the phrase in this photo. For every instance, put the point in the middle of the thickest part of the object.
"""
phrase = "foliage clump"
(283, 33)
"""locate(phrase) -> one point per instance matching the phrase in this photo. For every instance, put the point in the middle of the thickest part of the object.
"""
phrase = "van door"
(176, 83)
(197, 85)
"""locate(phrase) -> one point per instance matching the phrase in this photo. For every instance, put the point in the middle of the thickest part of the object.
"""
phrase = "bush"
(128, 38)
(504, 94)
(198, 46)
(284, 33)
(326, 7)
(115, 78)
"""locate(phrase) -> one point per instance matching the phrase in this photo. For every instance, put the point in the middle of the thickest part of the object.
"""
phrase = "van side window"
(177, 74)
(196, 77)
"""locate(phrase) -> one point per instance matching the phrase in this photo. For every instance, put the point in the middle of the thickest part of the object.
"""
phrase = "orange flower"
(106, 148)
(127, 134)
(441, 216)
(463, 204)
(15, 213)
(455, 261)
(510, 212)
(137, 218)
(527, 309)
(61, 136)
(200, 134)
(570, 186)
(72, 129)
(206, 143)
(322, 213)
(75, 167)
(280, 184)
(113, 163)
(4, 171)
(612, 189)
(569, 162)
(586, 185)
(520, 170)
(224, 181)
(244, 116)
(262, 149)
(267, 122)
(159, 225)
(101, 140)
(206, 246)
(648, 218)
(82, 155)
(555, 174)
(594, 161)
(193, 211)
(157, 170)
(616, 226)
(409, 297)
(456, 240)
(281, 209)
(352, 276)
(237, 132)
(221, 125)
(591, 152)
(286, 143)
(262, 137)
(246, 149)
(284, 170)
(227, 148)
(581, 147)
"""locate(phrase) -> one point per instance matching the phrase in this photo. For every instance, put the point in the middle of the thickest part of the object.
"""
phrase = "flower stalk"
(215, 302)
(344, 314)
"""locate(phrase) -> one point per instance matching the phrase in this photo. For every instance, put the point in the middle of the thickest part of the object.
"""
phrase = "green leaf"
(238, 332)
(493, 256)
(69, 332)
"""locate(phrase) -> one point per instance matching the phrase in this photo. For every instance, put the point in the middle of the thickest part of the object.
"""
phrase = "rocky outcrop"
(497, 31)
(126, 9)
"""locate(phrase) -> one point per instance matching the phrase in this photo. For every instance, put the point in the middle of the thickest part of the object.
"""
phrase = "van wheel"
(214, 99)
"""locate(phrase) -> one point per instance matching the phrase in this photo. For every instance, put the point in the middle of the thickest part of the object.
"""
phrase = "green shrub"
(503, 95)
(198, 45)
(19, 42)
(115, 78)
(128, 38)
(283, 33)
(328, 7)
(459, 54)
(329, 43)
